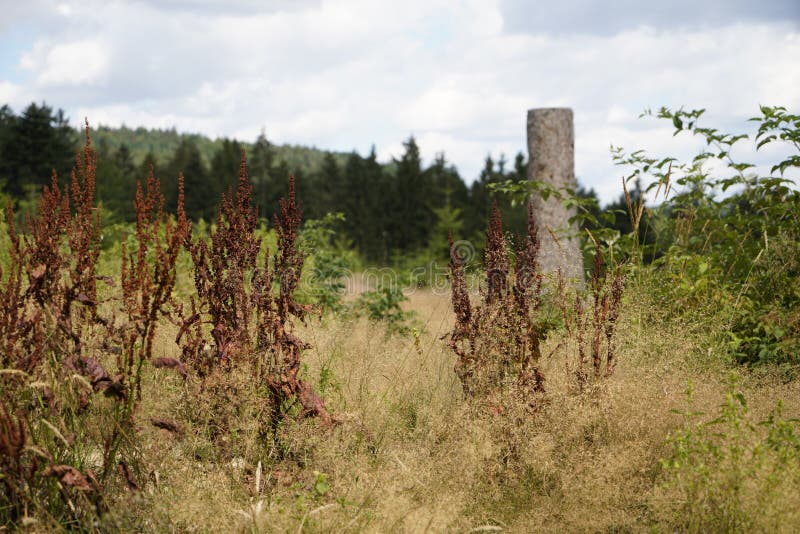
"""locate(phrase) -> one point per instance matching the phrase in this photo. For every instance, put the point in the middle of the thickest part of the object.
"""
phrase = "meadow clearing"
(217, 377)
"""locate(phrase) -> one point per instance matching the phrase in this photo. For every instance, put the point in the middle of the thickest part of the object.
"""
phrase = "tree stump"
(551, 151)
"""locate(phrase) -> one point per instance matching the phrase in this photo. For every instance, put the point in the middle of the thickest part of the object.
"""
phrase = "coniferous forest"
(389, 209)
(205, 335)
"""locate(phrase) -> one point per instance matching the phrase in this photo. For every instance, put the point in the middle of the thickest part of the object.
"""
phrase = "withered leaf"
(186, 325)
(171, 363)
(92, 370)
(125, 471)
(83, 298)
(38, 271)
(69, 476)
(113, 388)
(107, 279)
(167, 424)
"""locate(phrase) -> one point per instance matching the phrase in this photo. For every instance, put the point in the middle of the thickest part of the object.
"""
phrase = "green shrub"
(383, 305)
(728, 236)
(731, 474)
(330, 261)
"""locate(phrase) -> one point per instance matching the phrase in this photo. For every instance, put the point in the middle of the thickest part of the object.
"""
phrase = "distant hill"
(163, 143)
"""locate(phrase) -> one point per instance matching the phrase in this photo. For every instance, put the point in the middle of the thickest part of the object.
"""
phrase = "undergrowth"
(180, 379)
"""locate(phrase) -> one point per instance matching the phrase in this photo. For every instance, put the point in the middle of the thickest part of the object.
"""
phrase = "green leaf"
(321, 486)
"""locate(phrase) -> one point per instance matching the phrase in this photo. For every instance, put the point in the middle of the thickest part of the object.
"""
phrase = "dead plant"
(235, 299)
(48, 316)
(593, 328)
(498, 342)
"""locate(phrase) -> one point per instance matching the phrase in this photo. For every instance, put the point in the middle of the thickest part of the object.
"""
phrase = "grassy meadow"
(171, 376)
(410, 456)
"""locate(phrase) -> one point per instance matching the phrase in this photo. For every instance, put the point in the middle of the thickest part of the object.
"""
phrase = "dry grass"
(204, 426)
(410, 456)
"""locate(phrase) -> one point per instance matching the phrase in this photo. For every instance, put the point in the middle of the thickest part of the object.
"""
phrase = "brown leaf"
(496, 410)
(186, 325)
(113, 388)
(39, 271)
(83, 399)
(167, 424)
(313, 404)
(170, 363)
(125, 471)
(92, 370)
(69, 476)
(83, 298)
(107, 279)
(76, 480)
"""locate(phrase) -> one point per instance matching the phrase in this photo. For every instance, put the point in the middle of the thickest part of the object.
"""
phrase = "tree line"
(390, 208)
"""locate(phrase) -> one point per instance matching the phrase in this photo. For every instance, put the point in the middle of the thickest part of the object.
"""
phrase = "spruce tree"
(40, 142)
(376, 203)
(224, 172)
(448, 222)
(448, 187)
(330, 186)
(412, 216)
(202, 192)
(264, 175)
(8, 123)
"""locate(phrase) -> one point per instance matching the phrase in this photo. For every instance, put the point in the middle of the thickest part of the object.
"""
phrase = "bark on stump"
(551, 151)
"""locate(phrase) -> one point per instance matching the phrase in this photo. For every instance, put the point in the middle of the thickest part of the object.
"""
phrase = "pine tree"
(264, 175)
(364, 204)
(515, 216)
(330, 187)
(448, 223)
(224, 170)
(480, 200)
(201, 191)
(375, 205)
(412, 215)
(354, 202)
(144, 166)
(448, 186)
(41, 141)
(109, 184)
(7, 124)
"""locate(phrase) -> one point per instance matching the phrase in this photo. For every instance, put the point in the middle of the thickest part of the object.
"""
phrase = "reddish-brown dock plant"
(593, 323)
(235, 296)
(148, 275)
(498, 342)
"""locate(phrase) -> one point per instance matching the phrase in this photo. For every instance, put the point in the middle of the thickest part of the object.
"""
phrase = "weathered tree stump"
(551, 150)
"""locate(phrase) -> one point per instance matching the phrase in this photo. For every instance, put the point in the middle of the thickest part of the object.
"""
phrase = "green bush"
(330, 260)
(383, 305)
(727, 236)
(731, 474)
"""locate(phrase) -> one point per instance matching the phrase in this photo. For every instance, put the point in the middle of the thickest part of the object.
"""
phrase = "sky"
(459, 75)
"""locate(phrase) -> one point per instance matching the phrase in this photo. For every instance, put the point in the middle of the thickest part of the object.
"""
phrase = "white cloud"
(608, 18)
(65, 10)
(10, 93)
(344, 74)
(77, 63)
